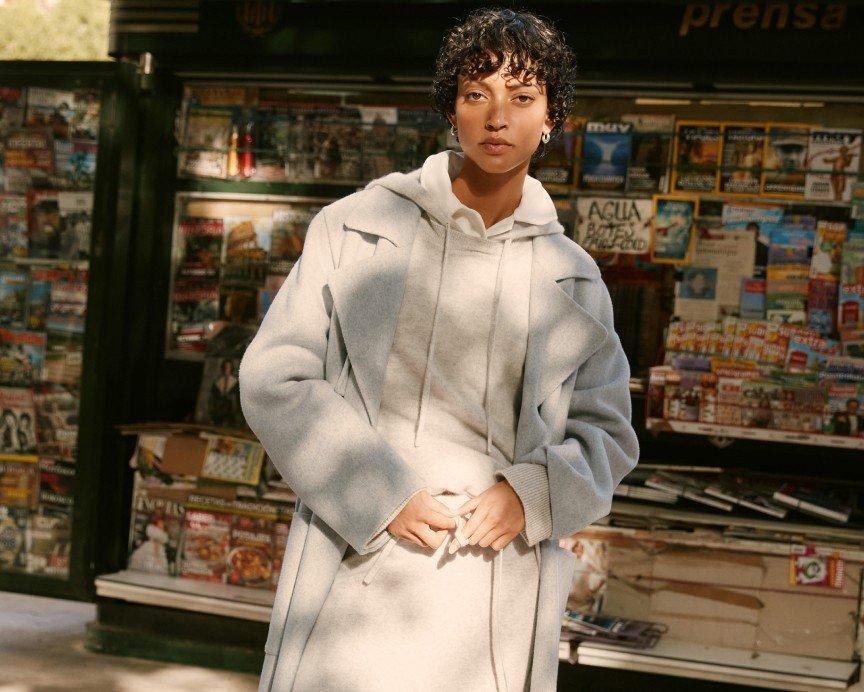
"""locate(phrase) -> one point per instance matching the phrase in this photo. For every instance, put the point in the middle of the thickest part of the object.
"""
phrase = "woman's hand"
(497, 519)
(418, 518)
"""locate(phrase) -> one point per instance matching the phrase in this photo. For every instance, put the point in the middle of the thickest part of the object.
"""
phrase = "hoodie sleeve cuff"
(531, 483)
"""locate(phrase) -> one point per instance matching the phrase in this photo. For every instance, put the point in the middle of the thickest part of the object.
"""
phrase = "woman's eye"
(530, 98)
(473, 93)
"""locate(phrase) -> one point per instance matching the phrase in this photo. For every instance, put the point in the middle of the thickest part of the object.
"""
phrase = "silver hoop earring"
(544, 137)
(453, 130)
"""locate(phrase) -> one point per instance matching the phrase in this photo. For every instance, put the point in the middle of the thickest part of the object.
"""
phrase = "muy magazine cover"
(606, 155)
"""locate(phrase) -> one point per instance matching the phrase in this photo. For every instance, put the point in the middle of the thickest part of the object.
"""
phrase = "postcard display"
(48, 145)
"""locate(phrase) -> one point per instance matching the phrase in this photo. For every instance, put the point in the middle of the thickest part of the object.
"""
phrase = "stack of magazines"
(605, 630)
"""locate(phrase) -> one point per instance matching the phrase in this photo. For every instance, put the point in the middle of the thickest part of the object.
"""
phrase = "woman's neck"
(494, 196)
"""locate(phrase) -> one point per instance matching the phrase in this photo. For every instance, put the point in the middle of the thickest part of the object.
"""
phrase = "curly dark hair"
(538, 50)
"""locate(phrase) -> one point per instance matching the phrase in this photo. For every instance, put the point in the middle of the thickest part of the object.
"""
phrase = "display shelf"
(828, 533)
(264, 187)
(722, 664)
(788, 436)
(187, 594)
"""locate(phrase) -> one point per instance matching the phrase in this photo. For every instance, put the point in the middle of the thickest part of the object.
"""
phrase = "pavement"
(42, 650)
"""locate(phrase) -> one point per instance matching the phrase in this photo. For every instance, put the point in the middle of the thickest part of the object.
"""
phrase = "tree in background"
(54, 29)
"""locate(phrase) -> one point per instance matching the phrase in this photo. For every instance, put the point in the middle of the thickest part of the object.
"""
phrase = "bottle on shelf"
(247, 156)
(233, 168)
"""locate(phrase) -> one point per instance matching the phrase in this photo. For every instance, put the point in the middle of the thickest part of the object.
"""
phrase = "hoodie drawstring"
(495, 301)
(425, 392)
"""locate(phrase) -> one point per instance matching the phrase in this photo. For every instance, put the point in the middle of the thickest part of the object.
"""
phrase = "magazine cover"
(56, 482)
(325, 143)
(205, 143)
(828, 250)
(673, 228)
(648, 171)
(154, 536)
(289, 227)
(614, 224)
(13, 536)
(219, 396)
(63, 359)
(605, 155)
(271, 126)
(85, 116)
(379, 138)
(68, 307)
(194, 306)
(74, 164)
(833, 160)
(13, 226)
(50, 108)
(38, 301)
(741, 169)
(19, 483)
(556, 169)
(201, 248)
(11, 109)
(17, 421)
(757, 218)
(44, 226)
(281, 528)
(49, 538)
(851, 297)
(232, 459)
(13, 297)
(247, 250)
(238, 304)
(76, 212)
(22, 354)
(56, 421)
(785, 160)
(28, 159)
(206, 539)
(250, 556)
(822, 306)
(696, 156)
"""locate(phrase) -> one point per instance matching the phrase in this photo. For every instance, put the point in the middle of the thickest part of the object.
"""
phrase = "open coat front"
(310, 387)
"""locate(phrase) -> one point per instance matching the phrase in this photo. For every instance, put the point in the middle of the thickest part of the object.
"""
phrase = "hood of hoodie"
(535, 219)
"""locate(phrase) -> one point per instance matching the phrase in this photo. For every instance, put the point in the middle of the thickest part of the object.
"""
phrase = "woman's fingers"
(490, 537)
(470, 505)
(438, 519)
(430, 538)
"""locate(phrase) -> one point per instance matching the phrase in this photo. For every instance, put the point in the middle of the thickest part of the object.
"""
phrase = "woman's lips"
(490, 148)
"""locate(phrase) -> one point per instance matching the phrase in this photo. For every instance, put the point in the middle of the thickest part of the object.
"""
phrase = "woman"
(412, 382)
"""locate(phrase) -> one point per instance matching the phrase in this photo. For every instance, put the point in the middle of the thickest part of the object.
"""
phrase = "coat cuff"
(531, 483)
(381, 534)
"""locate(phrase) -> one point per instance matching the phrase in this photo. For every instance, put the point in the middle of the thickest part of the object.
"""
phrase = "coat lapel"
(367, 295)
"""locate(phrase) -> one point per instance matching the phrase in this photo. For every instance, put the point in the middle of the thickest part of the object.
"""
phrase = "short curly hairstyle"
(538, 50)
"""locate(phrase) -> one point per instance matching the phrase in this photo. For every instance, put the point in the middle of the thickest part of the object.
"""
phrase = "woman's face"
(497, 106)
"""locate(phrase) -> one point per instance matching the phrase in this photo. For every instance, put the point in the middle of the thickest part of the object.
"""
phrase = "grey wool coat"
(310, 386)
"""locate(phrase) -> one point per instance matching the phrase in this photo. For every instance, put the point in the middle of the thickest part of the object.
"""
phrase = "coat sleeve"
(565, 487)
(330, 456)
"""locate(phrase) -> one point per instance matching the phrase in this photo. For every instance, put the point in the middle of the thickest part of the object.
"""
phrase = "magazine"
(28, 160)
(11, 110)
(743, 146)
(673, 228)
(785, 160)
(53, 109)
(833, 160)
(154, 537)
(605, 155)
(851, 293)
(201, 248)
(13, 226)
(76, 211)
(648, 171)
(205, 142)
(205, 544)
(17, 421)
(44, 223)
(22, 354)
(232, 459)
(49, 540)
(556, 169)
(289, 227)
(57, 421)
(194, 306)
(250, 556)
(13, 298)
(13, 530)
(219, 396)
(697, 156)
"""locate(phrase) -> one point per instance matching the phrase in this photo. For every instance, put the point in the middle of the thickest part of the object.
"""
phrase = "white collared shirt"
(437, 175)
